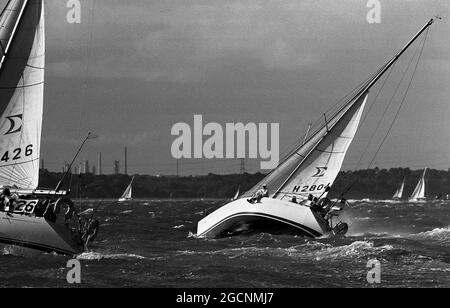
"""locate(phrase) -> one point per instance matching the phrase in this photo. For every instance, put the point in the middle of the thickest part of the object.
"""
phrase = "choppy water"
(150, 244)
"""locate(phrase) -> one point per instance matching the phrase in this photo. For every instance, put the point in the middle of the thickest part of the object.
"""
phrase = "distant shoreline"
(371, 183)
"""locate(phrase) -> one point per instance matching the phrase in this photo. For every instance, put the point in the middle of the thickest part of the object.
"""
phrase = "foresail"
(320, 168)
(236, 196)
(22, 68)
(316, 164)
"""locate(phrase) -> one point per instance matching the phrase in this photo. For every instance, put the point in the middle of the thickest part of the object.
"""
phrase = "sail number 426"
(17, 154)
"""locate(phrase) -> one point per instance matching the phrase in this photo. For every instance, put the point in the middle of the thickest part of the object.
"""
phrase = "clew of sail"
(399, 193)
(21, 92)
(315, 165)
(419, 191)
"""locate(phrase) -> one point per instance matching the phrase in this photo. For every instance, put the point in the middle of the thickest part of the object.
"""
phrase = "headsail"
(236, 196)
(419, 191)
(22, 67)
(316, 164)
(399, 193)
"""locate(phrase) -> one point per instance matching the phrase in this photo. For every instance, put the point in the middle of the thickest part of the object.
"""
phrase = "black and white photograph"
(249, 146)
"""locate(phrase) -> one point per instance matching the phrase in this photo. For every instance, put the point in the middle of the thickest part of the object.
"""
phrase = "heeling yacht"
(41, 219)
(308, 171)
(418, 194)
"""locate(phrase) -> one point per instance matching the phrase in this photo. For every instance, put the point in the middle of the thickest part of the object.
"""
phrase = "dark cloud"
(133, 68)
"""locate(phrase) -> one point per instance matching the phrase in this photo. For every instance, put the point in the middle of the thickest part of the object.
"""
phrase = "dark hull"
(38, 233)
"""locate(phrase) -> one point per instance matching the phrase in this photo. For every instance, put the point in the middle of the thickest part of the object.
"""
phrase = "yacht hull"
(37, 233)
(270, 215)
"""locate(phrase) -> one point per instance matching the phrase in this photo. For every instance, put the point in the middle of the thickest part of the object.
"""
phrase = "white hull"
(270, 215)
(37, 233)
(124, 199)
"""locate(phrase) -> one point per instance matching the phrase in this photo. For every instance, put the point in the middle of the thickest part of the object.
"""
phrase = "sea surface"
(152, 243)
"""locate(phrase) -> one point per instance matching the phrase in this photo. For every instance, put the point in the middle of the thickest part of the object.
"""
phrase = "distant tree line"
(371, 183)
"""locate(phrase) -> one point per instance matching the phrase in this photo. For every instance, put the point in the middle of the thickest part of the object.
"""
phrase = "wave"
(355, 249)
(438, 234)
(126, 212)
(99, 256)
(178, 227)
(192, 235)
(312, 251)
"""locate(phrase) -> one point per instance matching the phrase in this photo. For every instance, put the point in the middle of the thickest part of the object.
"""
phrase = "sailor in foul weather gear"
(262, 193)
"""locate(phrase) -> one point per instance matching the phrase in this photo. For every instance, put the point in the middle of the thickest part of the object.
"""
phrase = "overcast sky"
(134, 68)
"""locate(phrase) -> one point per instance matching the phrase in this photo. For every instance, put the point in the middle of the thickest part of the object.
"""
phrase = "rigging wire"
(421, 48)
(402, 101)
(386, 108)
(330, 112)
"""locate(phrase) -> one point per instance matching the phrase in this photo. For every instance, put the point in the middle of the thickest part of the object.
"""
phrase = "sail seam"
(18, 164)
(22, 87)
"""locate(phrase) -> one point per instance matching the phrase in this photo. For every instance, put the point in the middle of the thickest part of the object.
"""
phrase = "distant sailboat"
(399, 193)
(418, 194)
(127, 194)
(307, 172)
(236, 196)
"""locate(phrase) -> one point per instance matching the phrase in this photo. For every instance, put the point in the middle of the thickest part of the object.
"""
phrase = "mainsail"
(22, 44)
(128, 192)
(399, 193)
(419, 191)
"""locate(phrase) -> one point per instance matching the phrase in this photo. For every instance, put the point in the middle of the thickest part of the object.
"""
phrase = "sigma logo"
(15, 122)
(320, 172)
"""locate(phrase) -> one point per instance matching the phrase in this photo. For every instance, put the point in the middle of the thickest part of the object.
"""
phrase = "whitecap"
(100, 256)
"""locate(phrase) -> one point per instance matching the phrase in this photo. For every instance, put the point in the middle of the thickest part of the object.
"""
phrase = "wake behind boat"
(41, 219)
(306, 174)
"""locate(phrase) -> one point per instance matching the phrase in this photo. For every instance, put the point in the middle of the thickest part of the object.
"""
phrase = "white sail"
(315, 165)
(22, 67)
(127, 195)
(236, 196)
(399, 193)
(419, 192)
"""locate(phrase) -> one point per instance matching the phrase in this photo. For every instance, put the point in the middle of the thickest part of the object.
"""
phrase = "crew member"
(7, 201)
(262, 193)
(308, 201)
